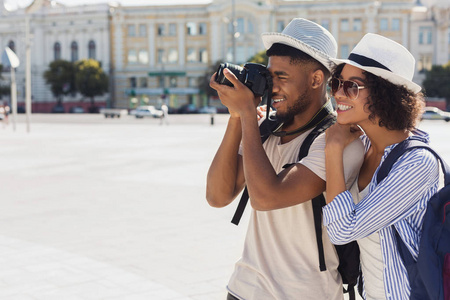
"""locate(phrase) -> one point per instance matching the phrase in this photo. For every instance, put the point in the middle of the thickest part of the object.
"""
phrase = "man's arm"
(267, 189)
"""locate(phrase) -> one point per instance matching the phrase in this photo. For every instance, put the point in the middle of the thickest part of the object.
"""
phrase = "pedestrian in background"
(165, 114)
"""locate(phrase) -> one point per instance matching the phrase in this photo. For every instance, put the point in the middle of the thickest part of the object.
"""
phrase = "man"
(280, 257)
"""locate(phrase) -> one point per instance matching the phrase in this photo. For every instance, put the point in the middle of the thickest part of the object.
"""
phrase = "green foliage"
(436, 83)
(90, 79)
(60, 75)
(204, 81)
(4, 89)
(260, 58)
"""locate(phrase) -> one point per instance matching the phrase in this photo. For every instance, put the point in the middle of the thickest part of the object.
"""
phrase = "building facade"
(161, 52)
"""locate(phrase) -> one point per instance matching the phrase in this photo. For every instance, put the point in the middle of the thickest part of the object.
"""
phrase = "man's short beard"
(300, 106)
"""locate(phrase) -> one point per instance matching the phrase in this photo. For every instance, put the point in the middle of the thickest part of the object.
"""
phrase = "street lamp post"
(233, 31)
(27, 72)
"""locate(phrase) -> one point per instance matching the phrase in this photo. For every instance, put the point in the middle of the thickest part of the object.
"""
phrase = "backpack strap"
(265, 129)
(384, 170)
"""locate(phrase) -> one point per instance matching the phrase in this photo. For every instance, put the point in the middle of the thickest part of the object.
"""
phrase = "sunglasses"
(351, 88)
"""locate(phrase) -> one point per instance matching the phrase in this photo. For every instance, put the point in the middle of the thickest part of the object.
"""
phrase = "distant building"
(149, 51)
(57, 32)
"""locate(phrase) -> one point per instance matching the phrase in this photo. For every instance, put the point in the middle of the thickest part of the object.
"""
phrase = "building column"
(151, 44)
(181, 44)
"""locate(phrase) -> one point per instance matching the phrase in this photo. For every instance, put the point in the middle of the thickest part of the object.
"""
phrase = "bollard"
(212, 119)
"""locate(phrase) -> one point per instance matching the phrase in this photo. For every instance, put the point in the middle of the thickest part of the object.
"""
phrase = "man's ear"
(317, 79)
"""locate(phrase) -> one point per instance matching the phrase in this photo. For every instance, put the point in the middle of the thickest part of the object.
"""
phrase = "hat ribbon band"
(366, 61)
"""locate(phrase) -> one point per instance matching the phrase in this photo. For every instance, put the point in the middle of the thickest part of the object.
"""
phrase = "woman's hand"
(339, 136)
(239, 99)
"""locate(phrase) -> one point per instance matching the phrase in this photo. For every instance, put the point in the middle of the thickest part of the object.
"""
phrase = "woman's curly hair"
(396, 107)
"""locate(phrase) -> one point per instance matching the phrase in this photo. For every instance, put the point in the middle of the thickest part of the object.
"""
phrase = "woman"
(373, 89)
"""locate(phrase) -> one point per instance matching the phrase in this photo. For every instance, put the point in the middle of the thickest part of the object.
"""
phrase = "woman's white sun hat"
(383, 57)
(306, 36)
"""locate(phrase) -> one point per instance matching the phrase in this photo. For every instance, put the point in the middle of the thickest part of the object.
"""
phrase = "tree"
(436, 82)
(90, 79)
(61, 77)
(260, 58)
(204, 81)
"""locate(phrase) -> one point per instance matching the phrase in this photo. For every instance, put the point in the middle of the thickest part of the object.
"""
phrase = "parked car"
(434, 113)
(207, 110)
(76, 110)
(58, 109)
(147, 111)
(188, 109)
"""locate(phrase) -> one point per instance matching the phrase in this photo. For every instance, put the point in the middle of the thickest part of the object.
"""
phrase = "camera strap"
(324, 112)
(322, 120)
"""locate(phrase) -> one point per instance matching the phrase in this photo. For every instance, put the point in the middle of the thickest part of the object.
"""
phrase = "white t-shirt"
(280, 258)
(372, 265)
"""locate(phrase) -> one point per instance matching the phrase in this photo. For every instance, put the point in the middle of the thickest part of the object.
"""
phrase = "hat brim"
(270, 38)
(385, 74)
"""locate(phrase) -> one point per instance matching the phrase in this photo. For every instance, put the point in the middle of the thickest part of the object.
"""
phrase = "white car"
(147, 111)
(434, 113)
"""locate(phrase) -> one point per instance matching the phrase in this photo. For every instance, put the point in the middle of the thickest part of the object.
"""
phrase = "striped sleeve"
(403, 193)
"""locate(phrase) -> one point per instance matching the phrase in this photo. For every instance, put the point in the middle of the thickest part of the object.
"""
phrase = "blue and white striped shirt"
(399, 200)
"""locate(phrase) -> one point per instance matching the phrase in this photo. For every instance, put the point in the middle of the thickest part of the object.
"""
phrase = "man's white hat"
(384, 57)
(306, 36)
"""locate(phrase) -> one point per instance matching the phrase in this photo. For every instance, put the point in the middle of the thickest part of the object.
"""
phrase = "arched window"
(91, 49)
(74, 51)
(57, 51)
(12, 46)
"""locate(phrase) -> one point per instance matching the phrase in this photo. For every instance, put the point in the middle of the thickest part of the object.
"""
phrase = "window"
(132, 56)
(191, 28)
(344, 51)
(142, 30)
(280, 26)
(91, 49)
(424, 63)
(250, 28)
(57, 51)
(425, 35)
(357, 25)
(143, 56)
(74, 51)
(240, 54)
(192, 82)
(202, 29)
(203, 56)
(325, 24)
(161, 58)
(240, 25)
(172, 55)
(344, 25)
(133, 82)
(191, 55)
(384, 25)
(143, 82)
(173, 81)
(131, 30)
(161, 30)
(161, 82)
(172, 29)
(395, 25)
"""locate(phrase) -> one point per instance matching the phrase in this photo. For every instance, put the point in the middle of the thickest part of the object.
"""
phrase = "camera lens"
(235, 69)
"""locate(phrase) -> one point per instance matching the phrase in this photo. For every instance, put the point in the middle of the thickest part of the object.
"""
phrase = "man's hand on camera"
(239, 99)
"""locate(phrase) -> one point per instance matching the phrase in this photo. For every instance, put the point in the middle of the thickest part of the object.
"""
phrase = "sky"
(13, 4)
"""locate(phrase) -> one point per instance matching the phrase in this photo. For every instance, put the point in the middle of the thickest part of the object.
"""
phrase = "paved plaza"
(95, 208)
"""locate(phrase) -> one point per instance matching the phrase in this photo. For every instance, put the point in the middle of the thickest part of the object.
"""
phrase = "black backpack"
(349, 253)
(429, 276)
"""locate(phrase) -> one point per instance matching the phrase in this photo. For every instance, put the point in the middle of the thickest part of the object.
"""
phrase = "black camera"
(252, 75)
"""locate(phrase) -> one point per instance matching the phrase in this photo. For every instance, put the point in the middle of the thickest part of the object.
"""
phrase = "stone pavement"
(112, 209)
(95, 208)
